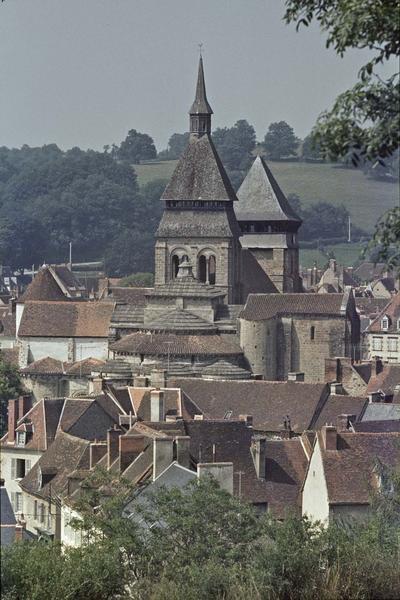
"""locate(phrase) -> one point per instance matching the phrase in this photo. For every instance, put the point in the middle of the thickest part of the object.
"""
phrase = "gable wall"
(315, 493)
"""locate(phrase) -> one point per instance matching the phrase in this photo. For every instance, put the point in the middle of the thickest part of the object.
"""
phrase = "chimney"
(156, 405)
(163, 454)
(158, 378)
(222, 472)
(248, 419)
(198, 417)
(12, 419)
(295, 376)
(335, 388)
(113, 444)
(332, 264)
(183, 450)
(375, 397)
(343, 422)
(376, 366)
(140, 381)
(329, 437)
(96, 385)
(259, 451)
(18, 532)
(24, 405)
(130, 446)
(96, 452)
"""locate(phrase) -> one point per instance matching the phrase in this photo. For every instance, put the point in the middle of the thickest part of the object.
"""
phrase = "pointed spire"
(200, 111)
(200, 104)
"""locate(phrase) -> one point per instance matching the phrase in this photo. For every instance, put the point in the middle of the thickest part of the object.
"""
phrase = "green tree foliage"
(176, 146)
(136, 147)
(10, 387)
(280, 141)
(235, 146)
(365, 120)
(311, 149)
(138, 280)
(49, 198)
(201, 543)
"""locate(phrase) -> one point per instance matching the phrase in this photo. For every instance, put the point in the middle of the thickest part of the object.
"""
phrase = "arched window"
(211, 270)
(202, 270)
(175, 266)
(312, 332)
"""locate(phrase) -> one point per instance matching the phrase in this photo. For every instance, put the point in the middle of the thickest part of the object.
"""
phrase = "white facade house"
(383, 334)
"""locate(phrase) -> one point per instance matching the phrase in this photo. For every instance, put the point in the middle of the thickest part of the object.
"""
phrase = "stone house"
(345, 470)
(383, 334)
(335, 279)
(68, 331)
(283, 333)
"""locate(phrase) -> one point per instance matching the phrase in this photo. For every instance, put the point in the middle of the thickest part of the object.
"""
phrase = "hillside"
(364, 198)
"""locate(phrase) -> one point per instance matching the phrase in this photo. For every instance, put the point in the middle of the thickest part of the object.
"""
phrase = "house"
(11, 530)
(345, 470)
(283, 333)
(383, 334)
(32, 430)
(67, 331)
(335, 279)
(52, 378)
(384, 287)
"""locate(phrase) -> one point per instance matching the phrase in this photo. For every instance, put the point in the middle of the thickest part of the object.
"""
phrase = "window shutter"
(27, 466)
(35, 511)
(13, 500)
(13, 468)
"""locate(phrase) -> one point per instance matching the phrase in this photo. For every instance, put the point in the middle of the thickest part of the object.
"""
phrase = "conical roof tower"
(198, 222)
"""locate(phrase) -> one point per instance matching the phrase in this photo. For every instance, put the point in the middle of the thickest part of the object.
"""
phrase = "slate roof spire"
(200, 112)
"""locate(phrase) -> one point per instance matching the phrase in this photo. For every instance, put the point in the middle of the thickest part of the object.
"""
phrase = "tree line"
(201, 543)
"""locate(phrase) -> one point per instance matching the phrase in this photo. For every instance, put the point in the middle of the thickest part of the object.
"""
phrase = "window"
(35, 510)
(385, 323)
(175, 266)
(377, 343)
(18, 502)
(312, 333)
(392, 344)
(21, 438)
(42, 513)
(202, 271)
(21, 469)
(211, 270)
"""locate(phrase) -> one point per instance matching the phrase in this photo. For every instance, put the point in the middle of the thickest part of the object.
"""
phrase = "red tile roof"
(43, 287)
(175, 345)
(265, 306)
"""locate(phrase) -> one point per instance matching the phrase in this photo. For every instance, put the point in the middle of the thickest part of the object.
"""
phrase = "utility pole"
(70, 256)
(349, 230)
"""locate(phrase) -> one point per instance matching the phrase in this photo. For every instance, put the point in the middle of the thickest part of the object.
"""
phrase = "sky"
(84, 72)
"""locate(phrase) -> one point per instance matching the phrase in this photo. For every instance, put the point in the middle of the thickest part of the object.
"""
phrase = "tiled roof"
(386, 380)
(66, 454)
(199, 175)
(265, 306)
(127, 316)
(10, 355)
(141, 402)
(52, 366)
(377, 426)
(159, 344)
(349, 470)
(222, 369)
(267, 401)
(66, 319)
(192, 223)
(391, 310)
(367, 271)
(180, 320)
(129, 295)
(261, 198)
(340, 405)
(186, 286)
(368, 306)
(8, 324)
(43, 287)
(381, 411)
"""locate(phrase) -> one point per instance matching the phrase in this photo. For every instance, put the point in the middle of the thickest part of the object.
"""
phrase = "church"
(220, 255)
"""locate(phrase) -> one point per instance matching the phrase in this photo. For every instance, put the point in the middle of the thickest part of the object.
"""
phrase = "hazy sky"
(84, 72)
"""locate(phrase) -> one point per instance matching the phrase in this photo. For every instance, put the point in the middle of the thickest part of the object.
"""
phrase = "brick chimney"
(183, 450)
(248, 419)
(96, 452)
(295, 376)
(329, 437)
(113, 444)
(12, 419)
(159, 378)
(259, 450)
(163, 454)
(157, 409)
(376, 366)
(130, 446)
(343, 422)
(24, 405)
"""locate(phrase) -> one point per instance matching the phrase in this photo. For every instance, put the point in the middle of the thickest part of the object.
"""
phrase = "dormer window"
(21, 438)
(385, 323)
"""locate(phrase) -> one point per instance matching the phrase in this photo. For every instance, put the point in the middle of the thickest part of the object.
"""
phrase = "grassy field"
(345, 254)
(365, 199)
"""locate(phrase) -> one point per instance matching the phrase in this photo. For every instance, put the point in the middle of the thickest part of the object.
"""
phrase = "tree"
(365, 120)
(136, 147)
(311, 149)
(176, 146)
(280, 141)
(138, 280)
(235, 146)
(10, 387)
